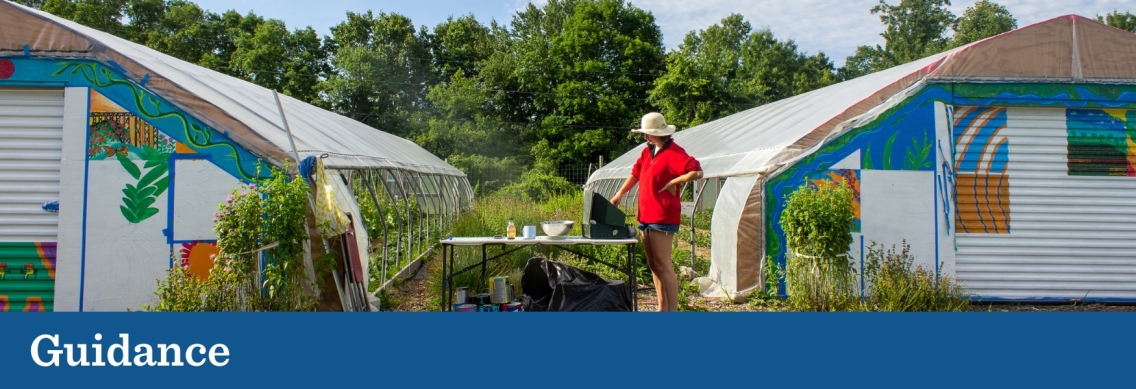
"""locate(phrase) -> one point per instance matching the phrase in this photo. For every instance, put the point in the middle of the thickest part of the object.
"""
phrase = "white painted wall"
(123, 260)
(198, 187)
(897, 205)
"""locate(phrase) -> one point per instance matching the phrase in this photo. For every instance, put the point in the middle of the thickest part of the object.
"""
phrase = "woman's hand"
(617, 199)
(671, 187)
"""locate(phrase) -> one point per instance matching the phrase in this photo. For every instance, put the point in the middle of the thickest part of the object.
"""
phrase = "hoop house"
(86, 117)
(1005, 163)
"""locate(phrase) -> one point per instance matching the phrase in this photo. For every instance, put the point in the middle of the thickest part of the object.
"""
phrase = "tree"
(605, 61)
(382, 69)
(727, 68)
(913, 29)
(983, 20)
(102, 15)
(458, 45)
(291, 63)
(1124, 21)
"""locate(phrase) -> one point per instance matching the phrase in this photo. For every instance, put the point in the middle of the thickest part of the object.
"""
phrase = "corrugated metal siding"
(1070, 236)
(27, 276)
(31, 133)
(31, 141)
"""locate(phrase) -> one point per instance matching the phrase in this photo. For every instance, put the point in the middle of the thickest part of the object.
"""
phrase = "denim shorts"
(668, 228)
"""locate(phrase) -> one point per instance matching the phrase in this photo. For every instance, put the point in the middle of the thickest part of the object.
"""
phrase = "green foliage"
(383, 70)
(1125, 21)
(913, 29)
(982, 20)
(817, 225)
(269, 219)
(821, 284)
(727, 68)
(539, 184)
(817, 221)
(152, 182)
(896, 283)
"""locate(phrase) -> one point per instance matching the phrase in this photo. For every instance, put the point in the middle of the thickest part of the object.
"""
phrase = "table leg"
(483, 265)
(445, 279)
(634, 280)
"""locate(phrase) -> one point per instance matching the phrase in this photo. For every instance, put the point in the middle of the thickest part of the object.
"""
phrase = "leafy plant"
(817, 224)
(896, 283)
(260, 233)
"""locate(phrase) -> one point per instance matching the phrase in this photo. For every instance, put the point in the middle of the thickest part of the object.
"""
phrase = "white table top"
(540, 240)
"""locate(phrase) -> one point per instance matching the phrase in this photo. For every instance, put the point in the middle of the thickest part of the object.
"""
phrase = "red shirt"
(654, 172)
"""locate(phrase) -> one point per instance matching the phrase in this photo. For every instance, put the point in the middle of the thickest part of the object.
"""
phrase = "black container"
(479, 299)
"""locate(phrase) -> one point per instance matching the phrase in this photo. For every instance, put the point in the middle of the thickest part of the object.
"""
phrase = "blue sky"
(834, 27)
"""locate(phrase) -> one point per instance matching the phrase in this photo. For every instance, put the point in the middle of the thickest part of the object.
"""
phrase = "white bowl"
(557, 227)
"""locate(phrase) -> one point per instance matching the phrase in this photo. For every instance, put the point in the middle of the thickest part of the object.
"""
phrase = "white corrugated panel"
(31, 140)
(1069, 236)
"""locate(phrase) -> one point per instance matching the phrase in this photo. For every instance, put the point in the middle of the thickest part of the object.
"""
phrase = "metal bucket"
(499, 290)
(464, 308)
(461, 295)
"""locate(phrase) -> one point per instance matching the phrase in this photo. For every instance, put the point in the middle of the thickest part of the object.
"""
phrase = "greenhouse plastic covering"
(244, 111)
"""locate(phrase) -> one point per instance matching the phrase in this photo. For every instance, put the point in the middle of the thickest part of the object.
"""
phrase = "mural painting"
(1101, 142)
(981, 183)
(27, 276)
(118, 135)
(901, 139)
(197, 258)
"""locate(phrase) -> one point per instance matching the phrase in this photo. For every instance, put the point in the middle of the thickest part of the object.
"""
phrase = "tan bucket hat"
(654, 124)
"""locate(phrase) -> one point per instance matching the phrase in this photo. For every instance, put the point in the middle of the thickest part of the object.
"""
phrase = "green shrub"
(269, 218)
(817, 224)
(896, 283)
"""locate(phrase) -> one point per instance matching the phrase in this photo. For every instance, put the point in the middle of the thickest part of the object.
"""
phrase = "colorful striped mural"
(879, 142)
(27, 276)
(1101, 142)
(981, 184)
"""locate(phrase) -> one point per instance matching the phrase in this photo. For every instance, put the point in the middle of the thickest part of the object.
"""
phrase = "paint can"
(511, 307)
(464, 308)
(499, 290)
(462, 295)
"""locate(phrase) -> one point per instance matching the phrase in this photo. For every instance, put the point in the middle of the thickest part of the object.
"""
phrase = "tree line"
(559, 84)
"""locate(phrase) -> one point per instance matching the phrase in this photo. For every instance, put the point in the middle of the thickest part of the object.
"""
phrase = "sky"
(834, 27)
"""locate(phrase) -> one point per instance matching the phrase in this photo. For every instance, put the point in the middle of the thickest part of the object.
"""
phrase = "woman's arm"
(694, 175)
(631, 181)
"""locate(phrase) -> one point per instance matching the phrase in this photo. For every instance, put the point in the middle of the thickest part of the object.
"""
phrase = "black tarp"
(553, 286)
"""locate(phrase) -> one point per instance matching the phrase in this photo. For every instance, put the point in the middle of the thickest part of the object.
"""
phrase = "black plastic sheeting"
(554, 286)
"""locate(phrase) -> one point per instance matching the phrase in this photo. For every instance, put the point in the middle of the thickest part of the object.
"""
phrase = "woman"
(660, 171)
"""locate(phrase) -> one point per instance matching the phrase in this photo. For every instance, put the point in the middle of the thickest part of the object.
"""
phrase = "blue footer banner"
(540, 350)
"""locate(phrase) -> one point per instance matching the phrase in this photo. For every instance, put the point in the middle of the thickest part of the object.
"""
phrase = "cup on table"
(529, 232)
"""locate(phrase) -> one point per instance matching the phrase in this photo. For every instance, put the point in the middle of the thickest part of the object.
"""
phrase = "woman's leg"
(649, 252)
(658, 247)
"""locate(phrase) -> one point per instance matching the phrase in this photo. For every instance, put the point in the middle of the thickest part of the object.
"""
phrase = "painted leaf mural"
(116, 134)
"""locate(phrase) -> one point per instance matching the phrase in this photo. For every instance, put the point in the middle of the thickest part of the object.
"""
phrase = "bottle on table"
(512, 229)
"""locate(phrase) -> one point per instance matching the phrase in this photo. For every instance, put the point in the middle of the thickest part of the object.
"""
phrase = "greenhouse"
(1005, 163)
(116, 156)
